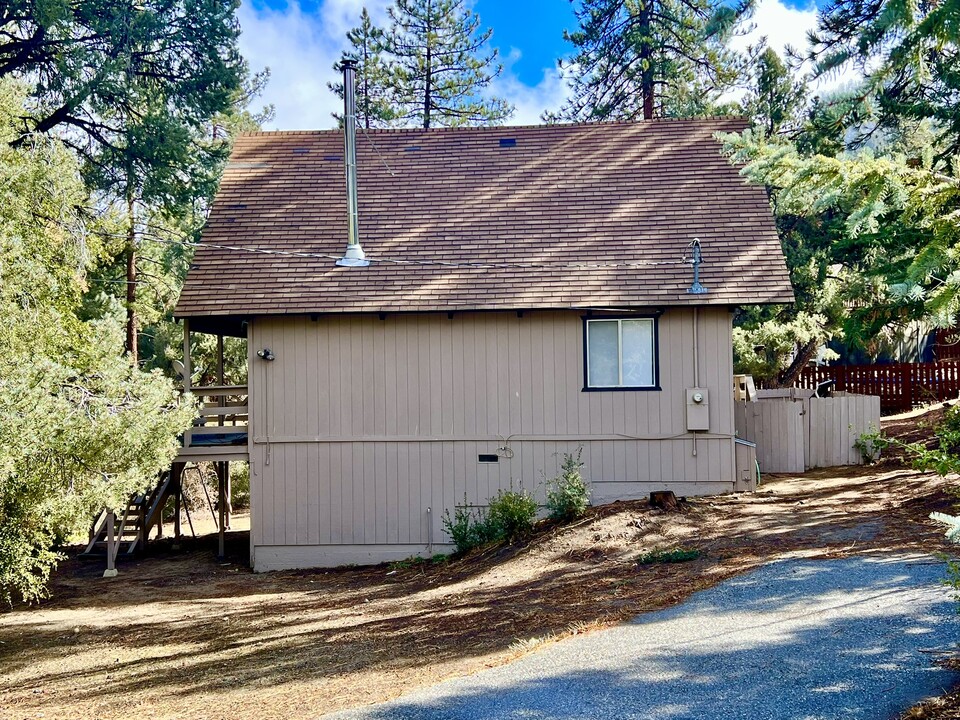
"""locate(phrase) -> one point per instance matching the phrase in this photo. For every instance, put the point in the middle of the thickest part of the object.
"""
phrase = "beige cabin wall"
(361, 424)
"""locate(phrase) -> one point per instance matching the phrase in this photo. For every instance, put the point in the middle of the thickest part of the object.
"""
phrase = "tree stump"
(664, 499)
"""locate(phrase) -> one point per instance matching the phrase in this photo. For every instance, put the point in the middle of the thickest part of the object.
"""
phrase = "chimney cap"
(348, 63)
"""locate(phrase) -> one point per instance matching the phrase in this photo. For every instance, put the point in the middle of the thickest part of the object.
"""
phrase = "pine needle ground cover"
(178, 634)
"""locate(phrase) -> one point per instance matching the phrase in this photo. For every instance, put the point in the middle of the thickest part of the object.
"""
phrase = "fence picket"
(900, 386)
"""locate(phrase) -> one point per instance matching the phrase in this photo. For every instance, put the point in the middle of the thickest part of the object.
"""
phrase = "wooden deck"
(219, 434)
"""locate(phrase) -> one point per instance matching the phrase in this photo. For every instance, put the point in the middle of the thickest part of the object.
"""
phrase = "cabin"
(471, 304)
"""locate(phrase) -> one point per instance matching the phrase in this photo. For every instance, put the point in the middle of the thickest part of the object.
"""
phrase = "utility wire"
(377, 150)
(436, 263)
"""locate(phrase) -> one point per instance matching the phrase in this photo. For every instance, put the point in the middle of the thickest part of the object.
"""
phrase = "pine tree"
(133, 89)
(81, 55)
(375, 93)
(441, 65)
(651, 58)
(116, 426)
(776, 97)
(909, 55)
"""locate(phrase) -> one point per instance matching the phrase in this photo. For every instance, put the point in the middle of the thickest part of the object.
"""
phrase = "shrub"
(945, 458)
(509, 517)
(871, 445)
(677, 555)
(468, 527)
(511, 514)
(240, 485)
(569, 495)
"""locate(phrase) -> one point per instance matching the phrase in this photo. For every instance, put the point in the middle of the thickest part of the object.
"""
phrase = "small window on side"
(621, 353)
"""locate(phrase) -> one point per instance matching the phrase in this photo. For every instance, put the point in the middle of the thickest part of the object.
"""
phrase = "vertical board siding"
(846, 418)
(797, 435)
(777, 427)
(361, 424)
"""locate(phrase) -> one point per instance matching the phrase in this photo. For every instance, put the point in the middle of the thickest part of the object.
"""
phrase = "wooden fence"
(900, 386)
(797, 434)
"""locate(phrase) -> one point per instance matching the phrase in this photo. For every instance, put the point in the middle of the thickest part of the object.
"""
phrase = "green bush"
(239, 485)
(509, 517)
(468, 527)
(677, 555)
(871, 445)
(569, 496)
(945, 458)
(512, 514)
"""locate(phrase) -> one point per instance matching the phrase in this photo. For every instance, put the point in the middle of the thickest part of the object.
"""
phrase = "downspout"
(696, 348)
(696, 363)
(353, 257)
(696, 289)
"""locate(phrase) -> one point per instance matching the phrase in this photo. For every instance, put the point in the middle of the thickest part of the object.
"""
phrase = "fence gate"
(777, 427)
(794, 434)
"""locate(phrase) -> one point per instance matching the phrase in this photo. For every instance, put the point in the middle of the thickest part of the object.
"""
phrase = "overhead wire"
(483, 265)
(150, 233)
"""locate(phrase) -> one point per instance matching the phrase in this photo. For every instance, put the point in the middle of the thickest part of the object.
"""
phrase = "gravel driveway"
(795, 640)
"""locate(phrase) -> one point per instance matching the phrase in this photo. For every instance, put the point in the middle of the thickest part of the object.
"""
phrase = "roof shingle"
(597, 215)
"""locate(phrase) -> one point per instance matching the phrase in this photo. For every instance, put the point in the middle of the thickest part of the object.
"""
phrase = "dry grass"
(183, 636)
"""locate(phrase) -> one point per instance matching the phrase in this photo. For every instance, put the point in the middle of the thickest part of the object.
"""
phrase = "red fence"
(900, 386)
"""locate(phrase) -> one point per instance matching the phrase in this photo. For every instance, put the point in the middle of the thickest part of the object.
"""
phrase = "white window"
(621, 353)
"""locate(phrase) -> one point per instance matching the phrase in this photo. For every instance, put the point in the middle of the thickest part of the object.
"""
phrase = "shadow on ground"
(175, 633)
(796, 640)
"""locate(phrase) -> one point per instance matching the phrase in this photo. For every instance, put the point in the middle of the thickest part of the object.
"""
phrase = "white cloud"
(789, 26)
(529, 102)
(781, 25)
(300, 49)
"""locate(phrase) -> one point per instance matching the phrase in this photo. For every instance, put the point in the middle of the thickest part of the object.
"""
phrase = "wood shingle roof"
(595, 215)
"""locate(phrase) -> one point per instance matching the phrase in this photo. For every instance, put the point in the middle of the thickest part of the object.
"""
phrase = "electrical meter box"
(698, 409)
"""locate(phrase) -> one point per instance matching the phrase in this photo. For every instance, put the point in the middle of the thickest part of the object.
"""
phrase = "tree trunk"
(789, 376)
(365, 83)
(647, 85)
(428, 75)
(131, 340)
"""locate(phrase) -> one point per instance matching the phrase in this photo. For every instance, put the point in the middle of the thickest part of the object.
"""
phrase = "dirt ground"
(181, 635)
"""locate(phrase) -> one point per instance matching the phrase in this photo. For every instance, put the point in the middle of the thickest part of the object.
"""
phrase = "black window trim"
(655, 316)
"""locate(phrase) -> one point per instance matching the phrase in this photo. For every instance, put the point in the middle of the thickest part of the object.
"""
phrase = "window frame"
(655, 318)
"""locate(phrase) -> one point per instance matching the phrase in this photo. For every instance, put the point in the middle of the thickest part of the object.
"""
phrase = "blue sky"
(535, 27)
(300, 41)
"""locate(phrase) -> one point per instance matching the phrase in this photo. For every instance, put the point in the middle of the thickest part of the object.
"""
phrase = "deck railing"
(221, 425)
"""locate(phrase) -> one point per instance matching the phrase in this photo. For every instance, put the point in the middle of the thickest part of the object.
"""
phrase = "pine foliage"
(442, 65)
(896, 250)
(637, 59)
(909, 56)
(80, 428)
(375, 91)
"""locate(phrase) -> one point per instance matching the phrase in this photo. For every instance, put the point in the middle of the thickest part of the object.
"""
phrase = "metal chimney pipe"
(354, 256)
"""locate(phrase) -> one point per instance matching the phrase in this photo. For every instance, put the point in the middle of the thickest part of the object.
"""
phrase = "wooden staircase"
(130, 527)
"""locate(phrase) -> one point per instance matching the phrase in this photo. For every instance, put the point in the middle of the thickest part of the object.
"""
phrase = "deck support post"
(111, 570)
(228, 496)
(220, 361)
(177, 482)
(221, 507)
(142, 525)
(187, 371)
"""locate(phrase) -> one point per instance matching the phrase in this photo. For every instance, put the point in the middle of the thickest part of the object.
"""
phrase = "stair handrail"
(96, 528)
(158, 499)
